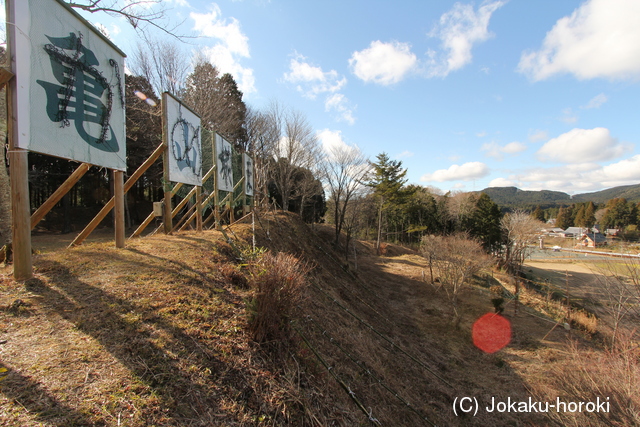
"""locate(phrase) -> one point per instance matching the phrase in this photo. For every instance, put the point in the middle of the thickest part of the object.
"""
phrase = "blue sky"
(538, 94)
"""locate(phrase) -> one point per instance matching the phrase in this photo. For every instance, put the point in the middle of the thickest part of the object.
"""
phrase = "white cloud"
(582, 145)
(514, 147)
(493, 149)
(481, 134)
(501, 182)
(465, 172)
(624, 170)
(383, 63)
(537, 136)
(404, 154)
(331, 140)
(340, 104)
(596, 101)
(312, 79)
(600, 39)
(568, 116)
(576, 178)
(233, 45)
(459, 29)
(103, 29)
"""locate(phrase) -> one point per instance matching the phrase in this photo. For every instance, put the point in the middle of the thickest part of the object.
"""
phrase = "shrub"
(279, 283)
(612, 375)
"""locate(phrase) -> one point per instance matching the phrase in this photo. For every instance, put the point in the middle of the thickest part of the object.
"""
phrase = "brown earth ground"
(156, 334)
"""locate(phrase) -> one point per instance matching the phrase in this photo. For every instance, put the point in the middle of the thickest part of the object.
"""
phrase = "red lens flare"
(491, 332)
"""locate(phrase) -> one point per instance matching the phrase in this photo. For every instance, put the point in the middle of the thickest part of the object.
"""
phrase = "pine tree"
(387, 181)
(590, 215)
(563, 220)
(538, 214)
(218, 101)
(486, 222)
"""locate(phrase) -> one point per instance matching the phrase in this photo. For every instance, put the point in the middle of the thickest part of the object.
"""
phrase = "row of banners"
(73, 76)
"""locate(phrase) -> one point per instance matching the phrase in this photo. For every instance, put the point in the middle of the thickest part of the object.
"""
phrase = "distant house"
(575, 231)
(592, 240)
(612, 231)
(553, 231)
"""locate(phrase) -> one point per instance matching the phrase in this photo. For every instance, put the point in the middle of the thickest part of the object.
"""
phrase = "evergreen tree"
(580, 220)
(590, 215)
(486, 223)
(538, 214)
(386, 180)
(563, 220)
(617, 213)
(218, 102)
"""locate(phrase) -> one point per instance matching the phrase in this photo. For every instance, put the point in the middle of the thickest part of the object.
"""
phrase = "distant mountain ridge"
(515, 197)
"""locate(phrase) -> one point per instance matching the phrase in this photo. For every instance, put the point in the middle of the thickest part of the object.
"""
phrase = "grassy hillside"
(629, 192)
(512, 197)
(156, 334)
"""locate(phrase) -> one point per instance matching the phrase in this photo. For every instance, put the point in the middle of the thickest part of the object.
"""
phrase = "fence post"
(118, 190)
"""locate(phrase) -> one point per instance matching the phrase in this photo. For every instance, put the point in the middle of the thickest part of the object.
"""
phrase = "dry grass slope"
(158, 334)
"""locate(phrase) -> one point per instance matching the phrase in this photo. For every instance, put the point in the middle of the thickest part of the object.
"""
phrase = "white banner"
(247, 161)
(224, 167)
(70, 81)
(184, 141)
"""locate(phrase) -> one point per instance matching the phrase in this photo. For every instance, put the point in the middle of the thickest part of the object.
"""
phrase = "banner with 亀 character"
(70, 101)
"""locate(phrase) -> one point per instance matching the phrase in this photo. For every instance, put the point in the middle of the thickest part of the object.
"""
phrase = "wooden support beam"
(5, 76)
(199, 209)
(118, 190)
(143, 167)
(142, 226)
(244, 195)
(202, 208)
(44, 209)
(151, 216)
(167, 218)
(216, 212)
(183, 202)
(184, 218)
(18, 166)
(111, 203)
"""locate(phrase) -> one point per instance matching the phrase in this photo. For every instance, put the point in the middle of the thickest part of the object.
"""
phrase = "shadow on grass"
(27, 393)
(185, 374)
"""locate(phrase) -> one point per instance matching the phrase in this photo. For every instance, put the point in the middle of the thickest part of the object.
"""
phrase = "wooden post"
(59, 194)
(151, 216)
(20, 213)
(199, 209)
(244, 186)
(118, 190)
(18, 168)
(167, 217)
(216, 211)
(111, 203)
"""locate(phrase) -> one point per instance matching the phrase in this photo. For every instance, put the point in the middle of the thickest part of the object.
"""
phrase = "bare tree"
(520, 231)
(456, 258)
(461, 206)
(140, 14)
(619, 281)
(297, 148)
(162, 63)
(344, 170)
(259, 141)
